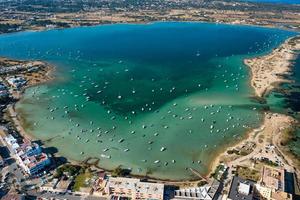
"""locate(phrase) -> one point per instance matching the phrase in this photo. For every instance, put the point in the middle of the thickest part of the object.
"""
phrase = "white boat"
(105, 156)
(163, 149)
(157, 161)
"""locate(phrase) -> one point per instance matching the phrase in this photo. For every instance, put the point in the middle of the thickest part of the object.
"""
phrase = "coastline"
(272, 123)
(51, 70)
(267, 73)
(267, 70)
(33, 79)
(154, 22)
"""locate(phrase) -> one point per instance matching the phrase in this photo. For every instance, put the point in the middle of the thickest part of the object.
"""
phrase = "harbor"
(88, 116)
(147, 114)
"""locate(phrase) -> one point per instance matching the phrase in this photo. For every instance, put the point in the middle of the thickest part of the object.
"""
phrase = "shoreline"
(267, 70)
(153, 22)
(264, 71)
(263, 136)
(18, 123)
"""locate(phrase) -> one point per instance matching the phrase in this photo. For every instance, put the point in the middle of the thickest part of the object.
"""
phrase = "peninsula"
(272, 69)
(265, 144)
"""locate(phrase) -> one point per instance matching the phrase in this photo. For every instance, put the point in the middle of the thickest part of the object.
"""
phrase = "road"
(267, 139)
(66, 197)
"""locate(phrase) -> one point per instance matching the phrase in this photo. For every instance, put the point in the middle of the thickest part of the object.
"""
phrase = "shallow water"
(289, 103)
(143, 93)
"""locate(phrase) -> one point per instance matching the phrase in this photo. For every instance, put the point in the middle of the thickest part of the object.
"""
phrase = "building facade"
(29, 156)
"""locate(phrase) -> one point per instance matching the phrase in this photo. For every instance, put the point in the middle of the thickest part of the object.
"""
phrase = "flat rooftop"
(273, 178)
(135, 185)
(241, 189)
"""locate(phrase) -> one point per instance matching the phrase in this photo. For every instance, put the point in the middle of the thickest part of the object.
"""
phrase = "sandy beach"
(263, 137)
(36, 77)
(269, 70)
(264, 142)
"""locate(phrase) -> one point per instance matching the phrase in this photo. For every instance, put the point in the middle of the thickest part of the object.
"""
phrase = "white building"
(12, 143)
(134, 188)
(28, 155)
(50, 186)
(206, 192)
(29, 149)
(16, 81)
(57, 186)
(33, 164)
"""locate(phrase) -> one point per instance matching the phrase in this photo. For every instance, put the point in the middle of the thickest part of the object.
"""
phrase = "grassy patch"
(288, 135)
(80, 180)
(68, 169)
(120, 172)
(218, 173)
(247, 173)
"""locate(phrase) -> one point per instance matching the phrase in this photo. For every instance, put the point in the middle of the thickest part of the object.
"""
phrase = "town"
(19, 16)
(30, 171)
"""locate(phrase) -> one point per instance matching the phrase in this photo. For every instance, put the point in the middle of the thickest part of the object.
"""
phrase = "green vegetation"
(218, 173)
(120, 172)
(49, 22)
(68, 169)
(233, 151)
(201, 183)
(81, 180)
(288, 135)
(289, 144)
(237, 152)
(7, 28)
(247, 173)
(269, 162)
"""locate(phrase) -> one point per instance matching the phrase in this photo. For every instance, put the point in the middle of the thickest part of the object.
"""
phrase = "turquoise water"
(157, 98)
(289, 103)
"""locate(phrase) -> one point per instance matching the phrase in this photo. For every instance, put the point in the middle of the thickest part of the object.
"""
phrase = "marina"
(154, 112)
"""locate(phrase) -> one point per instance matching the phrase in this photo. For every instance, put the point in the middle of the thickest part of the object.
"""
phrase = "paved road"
(68, 197)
